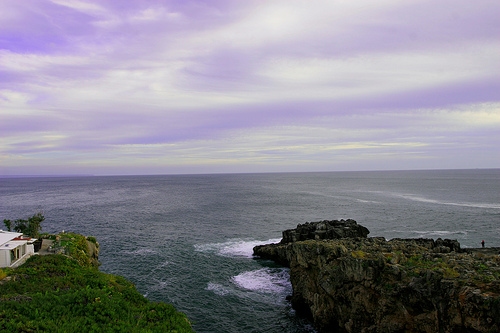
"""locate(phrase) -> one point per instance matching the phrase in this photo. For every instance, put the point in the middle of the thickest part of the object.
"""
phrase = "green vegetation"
(67, 293)
(30, 227)
(418, 264)
(407, 261)
(75, 246)
(358, 254)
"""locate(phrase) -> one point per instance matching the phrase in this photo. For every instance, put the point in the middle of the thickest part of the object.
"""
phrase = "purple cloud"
(266, 85)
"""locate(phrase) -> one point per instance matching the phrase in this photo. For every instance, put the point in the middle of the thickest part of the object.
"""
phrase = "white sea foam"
(440, 233)
(164, 264)
(265, 280)
(234, 247)
(217, 289)
(413, 197)
(438, 202)
(433, 233)
(160, 285)
(367, 201)
(160, 266)
(141, 252)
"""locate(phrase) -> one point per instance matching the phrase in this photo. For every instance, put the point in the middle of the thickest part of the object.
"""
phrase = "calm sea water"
(187, 240)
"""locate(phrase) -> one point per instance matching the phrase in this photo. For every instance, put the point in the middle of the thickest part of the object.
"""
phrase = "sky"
(114, 87)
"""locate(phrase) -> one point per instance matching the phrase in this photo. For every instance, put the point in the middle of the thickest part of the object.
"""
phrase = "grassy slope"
(57, 293)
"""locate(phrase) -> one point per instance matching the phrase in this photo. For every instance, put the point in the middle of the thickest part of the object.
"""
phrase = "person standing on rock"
(482, 243)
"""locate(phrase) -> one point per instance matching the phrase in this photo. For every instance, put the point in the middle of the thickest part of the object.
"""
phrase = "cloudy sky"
(164, 87)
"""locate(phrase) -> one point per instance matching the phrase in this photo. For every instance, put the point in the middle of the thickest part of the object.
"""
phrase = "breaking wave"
(233, 248)
(265, 280)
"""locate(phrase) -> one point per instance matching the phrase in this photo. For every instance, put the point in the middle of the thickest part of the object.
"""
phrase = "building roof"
(12, 244)
(6, 236)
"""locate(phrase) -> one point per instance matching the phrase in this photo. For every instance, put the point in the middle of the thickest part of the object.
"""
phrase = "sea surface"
(187, 239)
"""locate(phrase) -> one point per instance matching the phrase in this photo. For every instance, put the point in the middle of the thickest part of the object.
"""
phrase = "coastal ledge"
(348, 282)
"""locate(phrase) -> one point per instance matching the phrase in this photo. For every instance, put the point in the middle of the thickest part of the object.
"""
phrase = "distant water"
(187, 240)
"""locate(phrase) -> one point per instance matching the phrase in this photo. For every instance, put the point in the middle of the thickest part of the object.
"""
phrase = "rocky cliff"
(351, 283)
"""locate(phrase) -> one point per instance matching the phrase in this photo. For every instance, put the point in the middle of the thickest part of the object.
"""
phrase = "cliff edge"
(347, 282)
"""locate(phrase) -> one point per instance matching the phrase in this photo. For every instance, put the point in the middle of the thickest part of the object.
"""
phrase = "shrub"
(55, 293)
(359, 254)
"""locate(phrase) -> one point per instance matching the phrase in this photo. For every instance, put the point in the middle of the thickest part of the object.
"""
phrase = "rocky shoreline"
(348, 282)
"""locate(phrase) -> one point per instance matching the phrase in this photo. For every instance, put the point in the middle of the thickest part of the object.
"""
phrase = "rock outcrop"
(93, 251)
(334, 229)
(84, 249)
(324, 230)
(359, 284)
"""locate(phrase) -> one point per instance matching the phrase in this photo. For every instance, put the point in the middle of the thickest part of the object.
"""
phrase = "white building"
(15, 248)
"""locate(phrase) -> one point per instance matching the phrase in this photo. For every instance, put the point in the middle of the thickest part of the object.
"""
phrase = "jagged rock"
(402, 285)
(310, 230)
(324, 230)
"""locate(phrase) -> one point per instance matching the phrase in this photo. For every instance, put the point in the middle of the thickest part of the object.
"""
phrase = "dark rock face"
(359, 284)
(310, 231)
(324, 230)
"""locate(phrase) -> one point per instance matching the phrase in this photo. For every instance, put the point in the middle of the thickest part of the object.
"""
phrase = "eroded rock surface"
(324, 230)
(360, 284)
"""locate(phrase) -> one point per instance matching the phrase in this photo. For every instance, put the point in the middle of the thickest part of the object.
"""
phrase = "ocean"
(187, 239)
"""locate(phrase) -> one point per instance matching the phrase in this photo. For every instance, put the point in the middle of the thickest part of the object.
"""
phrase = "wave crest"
(234, 247)
(265, 280)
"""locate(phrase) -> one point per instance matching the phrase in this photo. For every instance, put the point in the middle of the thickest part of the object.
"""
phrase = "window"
(15, 254)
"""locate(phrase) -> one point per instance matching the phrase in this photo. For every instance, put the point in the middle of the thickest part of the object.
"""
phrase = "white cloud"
(370, 74)
(154, 14)
(33, 62)
(82, 6)
(261, 83)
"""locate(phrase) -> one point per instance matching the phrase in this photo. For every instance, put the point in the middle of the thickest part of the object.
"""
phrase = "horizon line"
(230, 173)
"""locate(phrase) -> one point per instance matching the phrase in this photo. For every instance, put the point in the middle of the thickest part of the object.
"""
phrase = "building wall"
(20, 253)
(4, 258)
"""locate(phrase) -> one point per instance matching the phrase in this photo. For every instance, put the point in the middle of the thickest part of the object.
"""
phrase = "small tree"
(8, 224)
(35, 225)
(30, 227)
